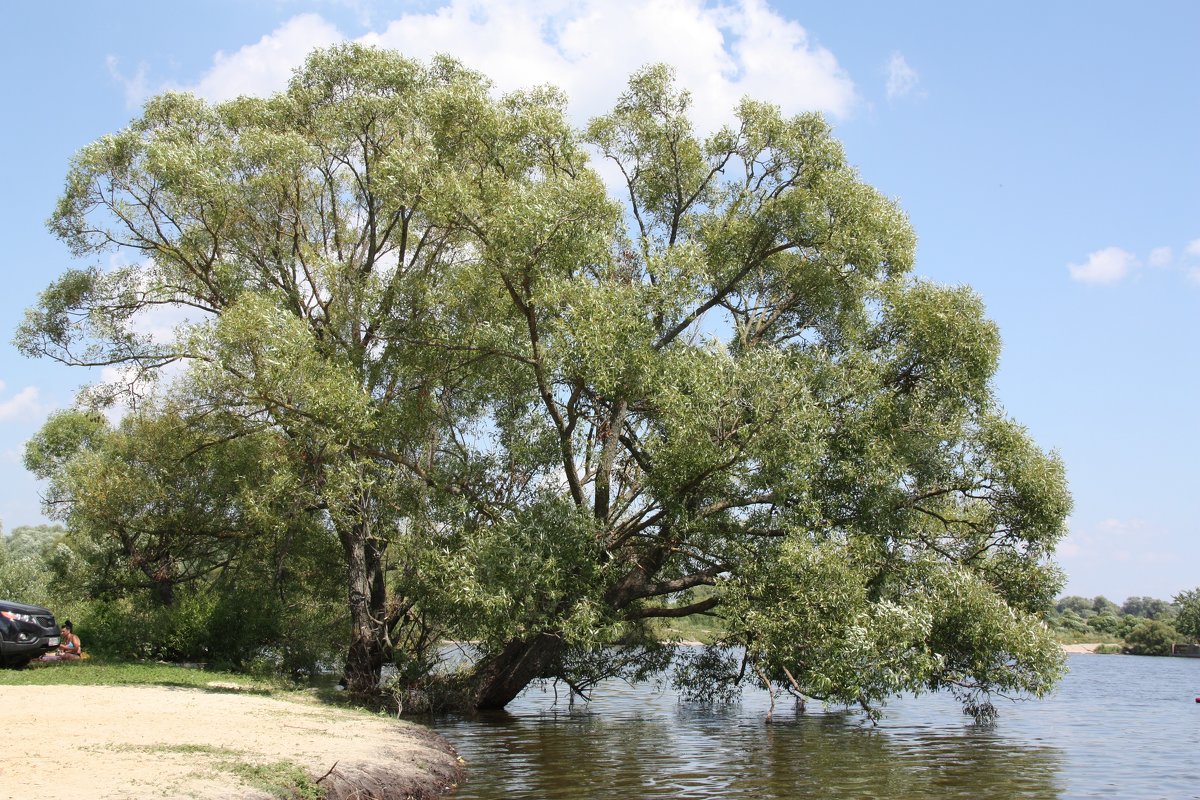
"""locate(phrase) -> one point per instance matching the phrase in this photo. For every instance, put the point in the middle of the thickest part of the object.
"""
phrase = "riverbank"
(217, 742)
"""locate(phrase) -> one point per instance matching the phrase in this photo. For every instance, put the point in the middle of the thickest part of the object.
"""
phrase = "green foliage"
(1102, 605)
(1072, 622)
(1083, 619)
(1147, 608)
(1150, 637)
(29, 558)
(179, 549)
(1080, 606)
(1105, 622)
(238, 631)
(707, 674)
(1188, 620)
(1127, 624)
(428, 353)
(24, 580)
(32, 541)
(505, 582)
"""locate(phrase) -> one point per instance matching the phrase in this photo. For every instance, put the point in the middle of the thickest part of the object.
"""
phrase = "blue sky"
(1046, 154)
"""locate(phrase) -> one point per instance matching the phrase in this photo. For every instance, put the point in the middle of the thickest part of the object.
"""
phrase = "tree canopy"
(545, 415)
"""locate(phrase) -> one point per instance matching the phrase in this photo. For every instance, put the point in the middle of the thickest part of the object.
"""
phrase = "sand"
(1079, 648)
(157, 742)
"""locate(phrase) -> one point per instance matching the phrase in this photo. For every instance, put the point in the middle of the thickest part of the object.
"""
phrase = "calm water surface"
(1118, 726)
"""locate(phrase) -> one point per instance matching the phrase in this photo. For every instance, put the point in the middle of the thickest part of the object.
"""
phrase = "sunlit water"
(1118, 726)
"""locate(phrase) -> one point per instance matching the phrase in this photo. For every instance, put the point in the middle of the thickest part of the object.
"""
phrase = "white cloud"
(1104, 266)
(588, 48)
(902, 79)
(1113, 264)
(265, 66)
(256, 69)
(137, 86)
(23, 405)
(1161, 257)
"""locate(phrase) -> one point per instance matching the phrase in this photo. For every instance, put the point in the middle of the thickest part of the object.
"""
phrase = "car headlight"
(16, 616)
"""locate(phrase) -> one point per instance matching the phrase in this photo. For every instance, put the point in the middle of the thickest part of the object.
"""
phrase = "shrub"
(1150, 638)
(235, 630)
(1104, 623)
(1070, 621)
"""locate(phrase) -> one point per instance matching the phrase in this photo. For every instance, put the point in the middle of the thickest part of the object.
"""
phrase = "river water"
(1117, 726)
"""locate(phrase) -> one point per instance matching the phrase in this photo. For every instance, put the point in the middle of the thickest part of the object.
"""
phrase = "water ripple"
(1117, 727)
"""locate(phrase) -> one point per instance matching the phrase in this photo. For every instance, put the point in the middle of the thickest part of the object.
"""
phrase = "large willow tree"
(718, 390)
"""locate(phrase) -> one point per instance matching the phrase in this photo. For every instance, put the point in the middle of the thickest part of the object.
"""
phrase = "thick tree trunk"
(500, 679)
(497, 681)
(163, 591)
(368, 612)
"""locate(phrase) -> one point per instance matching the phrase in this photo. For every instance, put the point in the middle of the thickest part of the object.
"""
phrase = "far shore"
(1081, 648)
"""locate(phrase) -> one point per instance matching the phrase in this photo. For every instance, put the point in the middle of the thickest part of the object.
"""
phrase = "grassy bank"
(99, 672)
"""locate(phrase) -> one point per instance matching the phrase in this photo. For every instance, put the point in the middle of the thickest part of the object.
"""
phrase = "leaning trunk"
(498, 680)
(368, 618)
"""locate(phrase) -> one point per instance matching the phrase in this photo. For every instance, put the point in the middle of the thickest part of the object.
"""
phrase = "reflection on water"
(1118, 727)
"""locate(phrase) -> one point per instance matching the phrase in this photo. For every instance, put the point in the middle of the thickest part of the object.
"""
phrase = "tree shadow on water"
(721, 753)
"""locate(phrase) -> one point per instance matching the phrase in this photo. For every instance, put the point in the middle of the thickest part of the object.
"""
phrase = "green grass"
(281, 779)
(98, 672)
(182, 749)
(102, 672)
(690, 629)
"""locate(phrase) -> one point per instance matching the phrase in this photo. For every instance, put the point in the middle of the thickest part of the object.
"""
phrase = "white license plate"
(52, 641)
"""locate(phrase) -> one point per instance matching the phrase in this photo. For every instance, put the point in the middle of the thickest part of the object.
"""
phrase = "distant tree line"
(1145, 625)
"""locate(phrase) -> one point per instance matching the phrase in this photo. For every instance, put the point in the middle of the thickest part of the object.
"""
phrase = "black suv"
(25, 633)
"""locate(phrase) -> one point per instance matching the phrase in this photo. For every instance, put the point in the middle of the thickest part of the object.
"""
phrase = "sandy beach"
(157, 742)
